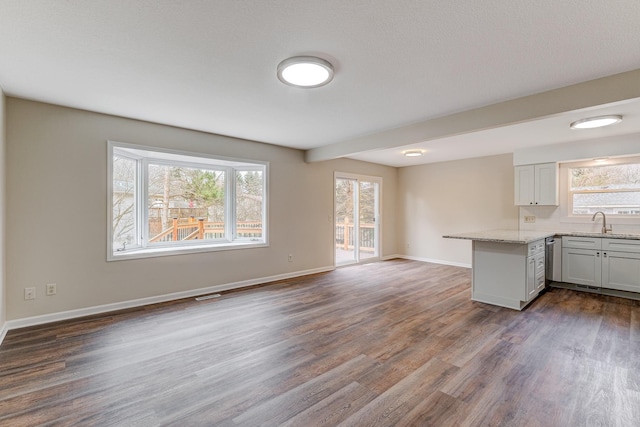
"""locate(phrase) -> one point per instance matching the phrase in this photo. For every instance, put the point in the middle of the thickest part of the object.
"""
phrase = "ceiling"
(211, 66)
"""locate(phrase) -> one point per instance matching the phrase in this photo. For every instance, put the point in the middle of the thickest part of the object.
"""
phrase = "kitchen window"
(612, 187)
(165, 202)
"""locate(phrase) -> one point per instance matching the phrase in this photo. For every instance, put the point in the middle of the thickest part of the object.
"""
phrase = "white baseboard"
(434, 261)
(3, 331)
(99, 309)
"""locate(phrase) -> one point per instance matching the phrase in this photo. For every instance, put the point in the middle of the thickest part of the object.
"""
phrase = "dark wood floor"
(394, 343)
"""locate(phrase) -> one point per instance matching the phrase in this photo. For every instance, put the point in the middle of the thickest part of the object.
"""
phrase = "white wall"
(57, 212)
(453, 197)
(3, 298)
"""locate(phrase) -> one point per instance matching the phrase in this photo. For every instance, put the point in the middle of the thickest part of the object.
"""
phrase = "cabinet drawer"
(621, 245)
(582, 242)
(535, 247)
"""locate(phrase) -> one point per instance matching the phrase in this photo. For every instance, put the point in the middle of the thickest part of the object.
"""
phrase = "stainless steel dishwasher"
(548, 259)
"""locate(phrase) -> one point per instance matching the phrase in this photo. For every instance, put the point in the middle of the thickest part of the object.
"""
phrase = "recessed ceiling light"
(595, 122)
(305, 71)
(413, 153)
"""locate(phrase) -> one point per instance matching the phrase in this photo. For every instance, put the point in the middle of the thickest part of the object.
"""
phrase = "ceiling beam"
(598, 92)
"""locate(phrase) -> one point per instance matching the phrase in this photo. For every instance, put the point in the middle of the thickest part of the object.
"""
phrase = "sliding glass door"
(357, 218)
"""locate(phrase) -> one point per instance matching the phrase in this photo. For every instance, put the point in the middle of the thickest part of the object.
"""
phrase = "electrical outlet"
(51, 289)
(290, 258)
(529, 219)
(29, 293)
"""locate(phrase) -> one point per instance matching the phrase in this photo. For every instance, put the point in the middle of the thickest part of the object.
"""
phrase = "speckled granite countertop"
(503, 236)
(525, 237)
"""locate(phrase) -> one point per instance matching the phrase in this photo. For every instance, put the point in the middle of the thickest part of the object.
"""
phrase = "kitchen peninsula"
(508, 266)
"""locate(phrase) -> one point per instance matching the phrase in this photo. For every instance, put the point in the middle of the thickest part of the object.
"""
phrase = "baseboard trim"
(434, 261)
(3, 332)
(101, 309)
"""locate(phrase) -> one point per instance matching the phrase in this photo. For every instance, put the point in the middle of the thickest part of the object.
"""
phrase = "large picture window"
(165, 202)
(613, 189)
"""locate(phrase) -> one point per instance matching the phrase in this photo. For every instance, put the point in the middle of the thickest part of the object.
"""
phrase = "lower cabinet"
(601, 262)
(535, 275)
(508, 274)
(581, 266)
(621, 270)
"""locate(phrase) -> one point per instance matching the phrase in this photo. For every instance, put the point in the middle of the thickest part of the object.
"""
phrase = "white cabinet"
(606, 263)
(536, 184)
(507, 274)
(621, 264)
(540, 272)
(581, 266)
(531, 277)
(535, 274)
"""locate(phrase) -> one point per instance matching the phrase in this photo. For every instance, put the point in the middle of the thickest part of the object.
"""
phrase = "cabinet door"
(540, 283)
(540, 272)
(524, 185)
(546, 184)
(582, 266)
(621, 270)
(531, 278)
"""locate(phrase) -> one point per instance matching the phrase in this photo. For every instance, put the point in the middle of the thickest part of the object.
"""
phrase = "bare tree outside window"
(613, 189)
(249, 203)
(124, 212)
(185, 195)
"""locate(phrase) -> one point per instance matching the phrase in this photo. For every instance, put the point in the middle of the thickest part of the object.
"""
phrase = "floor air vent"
(206, 297)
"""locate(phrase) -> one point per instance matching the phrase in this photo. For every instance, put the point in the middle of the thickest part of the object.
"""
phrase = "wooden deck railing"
(345, 234)
(200, 229)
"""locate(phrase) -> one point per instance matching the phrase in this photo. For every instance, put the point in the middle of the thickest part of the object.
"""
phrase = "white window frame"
(567, 215)
(145, 155)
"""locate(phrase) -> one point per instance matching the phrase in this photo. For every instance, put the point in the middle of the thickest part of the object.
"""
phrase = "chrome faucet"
(604, 222)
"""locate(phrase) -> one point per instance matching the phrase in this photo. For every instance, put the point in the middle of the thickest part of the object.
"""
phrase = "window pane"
(185, 203)
(249, 204)
(612, 177)
(613, 203)
(613, 189)
(367, 205)
(124, 202)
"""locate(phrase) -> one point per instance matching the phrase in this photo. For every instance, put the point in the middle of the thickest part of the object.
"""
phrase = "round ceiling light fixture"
(413, 153)
(595, 122)
(305, 71)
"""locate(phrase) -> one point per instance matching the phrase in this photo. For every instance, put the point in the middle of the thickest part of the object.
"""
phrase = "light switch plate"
(529, 219)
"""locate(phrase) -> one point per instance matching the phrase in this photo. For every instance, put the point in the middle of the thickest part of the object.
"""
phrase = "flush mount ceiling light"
(305, 71)
(413, 153)
(595, 122)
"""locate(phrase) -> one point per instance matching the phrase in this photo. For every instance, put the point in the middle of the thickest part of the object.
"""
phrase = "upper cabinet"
(536, 184)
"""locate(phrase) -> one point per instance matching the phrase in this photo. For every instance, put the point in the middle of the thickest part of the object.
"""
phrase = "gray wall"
(453, 197)
(57, 212)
